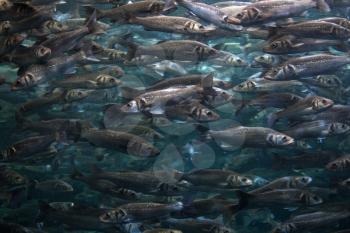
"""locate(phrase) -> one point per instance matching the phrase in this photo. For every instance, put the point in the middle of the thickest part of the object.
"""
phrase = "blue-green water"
(180, 137)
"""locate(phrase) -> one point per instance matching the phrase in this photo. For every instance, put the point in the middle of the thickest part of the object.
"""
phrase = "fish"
(339, 164)
(290, 44)
(217, 178)
(8, 43)
(207, 13)
(122, 141)
(275, 100)
(312, 221)
(171, 24)
(308, 105)
(195, 225)
(287, 182)
(134, 212)
(105, 186)
(118, 14)
(36, 74)
(270, 10)
(262, 85)
(256, 137)
(306, 66)
(58, 186)
(282, 197)
(315, 129)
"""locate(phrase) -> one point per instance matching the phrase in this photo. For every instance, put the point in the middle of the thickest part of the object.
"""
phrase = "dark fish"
(196, 226)
(282, 197)
(136, 212)
(26, 56)
(58, 186)
(306, 66)
(315, 129)
(145, 182)
(106, 186)
(274, 100)
(217, 178)
(287, 182)
(340, 164)
(8, 43)
(11, 27)
(312, 221)
(308, 105)
(27, 147)
(121, 141)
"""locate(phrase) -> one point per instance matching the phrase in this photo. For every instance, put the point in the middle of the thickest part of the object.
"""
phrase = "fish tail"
(322, 5)
(243, 199)
(169, 6)
(92, 24)
(129, 92)
(230, 212)
(271, 119)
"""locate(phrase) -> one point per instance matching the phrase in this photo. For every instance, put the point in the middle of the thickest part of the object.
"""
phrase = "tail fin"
(243, 199)
(230, 212)
(130, 93)
(271, 119)
(92, 25)
(323, 6)
(170, 5)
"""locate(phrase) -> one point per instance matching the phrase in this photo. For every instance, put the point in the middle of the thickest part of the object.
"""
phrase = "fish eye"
(209, 113)
(244, 179)
(324, 102)
(239, 15)
(274, 71)
(239, 61)
(274, 45)
(201, 27)
(30, 76)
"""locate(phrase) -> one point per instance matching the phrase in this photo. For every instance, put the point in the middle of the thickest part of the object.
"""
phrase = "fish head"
(169, 188)
(192, 26)
(250, 15)
(282, 44)
(320, 103)
(285, 228)
(156, 6)
(132, 106)
(278, 139)
(140, 148)
(77, 94)
(237, 180)
(5, 5)
(335, 165)
(42, 52)
(217, 97)
(264, 60)
(28, 79)
(329, 80)
(61, 186)
(54, 26)
(231, 20)
(338, 128)
(220, 229)
(8, 153)
(14, 40)
(346, 183)
(113, 216)
(309, 198)
(245, 86)
(204, 114)
(16, 179)
(62, 206)
(107, 80)
(302, 181)
(5, 27)
(235, 61)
